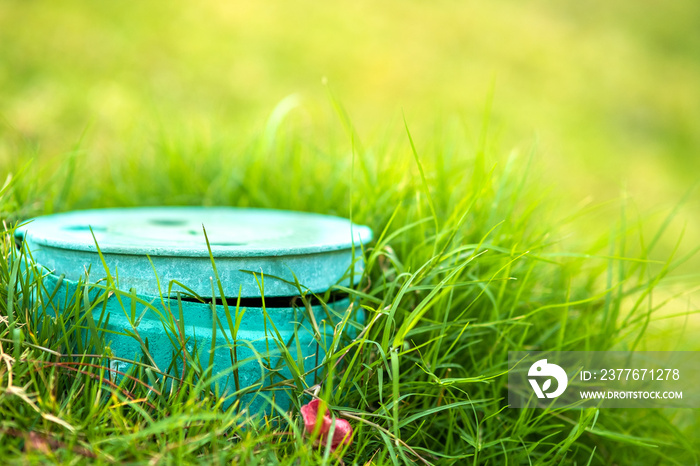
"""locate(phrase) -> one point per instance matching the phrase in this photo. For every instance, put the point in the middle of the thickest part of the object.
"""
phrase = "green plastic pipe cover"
(147, 250)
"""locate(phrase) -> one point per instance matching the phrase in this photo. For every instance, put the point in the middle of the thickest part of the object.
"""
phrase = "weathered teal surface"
(315, 249)
(257, 345)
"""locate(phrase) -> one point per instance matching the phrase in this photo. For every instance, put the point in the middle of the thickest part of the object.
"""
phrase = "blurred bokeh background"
(607, 94)
(604, 85)
(611, 90)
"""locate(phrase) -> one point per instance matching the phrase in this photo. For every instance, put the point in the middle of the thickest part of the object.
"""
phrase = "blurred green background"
(608, 93)
(611, 89)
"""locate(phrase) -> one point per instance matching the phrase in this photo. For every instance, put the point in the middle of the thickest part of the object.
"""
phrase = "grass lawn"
(487, 238)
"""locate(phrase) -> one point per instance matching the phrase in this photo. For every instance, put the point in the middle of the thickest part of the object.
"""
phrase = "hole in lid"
(167, 222)
(226, 243)
(84, 228)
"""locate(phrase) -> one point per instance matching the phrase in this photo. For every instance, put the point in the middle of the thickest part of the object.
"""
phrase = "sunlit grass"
(470, 262)
(527, 169)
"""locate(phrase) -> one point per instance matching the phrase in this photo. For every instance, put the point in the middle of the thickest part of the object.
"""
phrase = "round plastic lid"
(254, 249)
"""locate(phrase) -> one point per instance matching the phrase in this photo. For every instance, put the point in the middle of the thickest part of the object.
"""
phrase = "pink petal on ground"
(310, 414)
(342, 434)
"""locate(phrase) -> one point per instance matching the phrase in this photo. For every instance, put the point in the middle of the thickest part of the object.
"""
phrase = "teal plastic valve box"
(163, 289)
